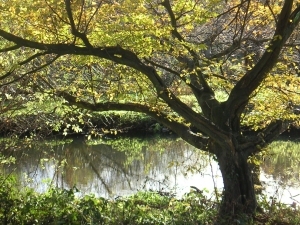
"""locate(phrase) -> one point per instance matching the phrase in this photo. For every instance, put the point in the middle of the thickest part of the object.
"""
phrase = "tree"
(146, 56)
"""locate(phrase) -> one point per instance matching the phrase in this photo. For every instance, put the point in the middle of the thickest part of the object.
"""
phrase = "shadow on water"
(122, 166)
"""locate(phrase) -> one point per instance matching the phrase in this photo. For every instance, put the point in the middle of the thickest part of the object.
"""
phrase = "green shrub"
(59, 206)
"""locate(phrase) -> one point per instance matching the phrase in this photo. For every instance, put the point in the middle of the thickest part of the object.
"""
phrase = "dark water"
(111, 168)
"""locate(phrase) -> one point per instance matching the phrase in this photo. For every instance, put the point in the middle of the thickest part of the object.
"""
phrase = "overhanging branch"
(125, 57)
(181, 129)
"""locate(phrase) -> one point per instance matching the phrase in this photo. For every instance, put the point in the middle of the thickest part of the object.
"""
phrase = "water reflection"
(111, 168)
(281, 171)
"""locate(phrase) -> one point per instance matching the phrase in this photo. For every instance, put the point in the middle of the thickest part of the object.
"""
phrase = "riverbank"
(108, 123)
(94, 123)
(186, 211)
(61, 206)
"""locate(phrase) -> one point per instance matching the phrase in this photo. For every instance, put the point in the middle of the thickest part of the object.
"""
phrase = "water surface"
(123, 166)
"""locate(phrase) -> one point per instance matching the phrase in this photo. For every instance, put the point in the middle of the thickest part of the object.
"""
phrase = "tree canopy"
(239, 61)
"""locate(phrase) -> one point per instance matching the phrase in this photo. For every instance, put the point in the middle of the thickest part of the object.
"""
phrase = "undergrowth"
(61, 206)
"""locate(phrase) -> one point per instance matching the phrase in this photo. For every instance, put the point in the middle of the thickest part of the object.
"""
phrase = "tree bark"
(238, 195)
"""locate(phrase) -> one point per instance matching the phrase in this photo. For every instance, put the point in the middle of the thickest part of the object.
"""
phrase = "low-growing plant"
(61, 206)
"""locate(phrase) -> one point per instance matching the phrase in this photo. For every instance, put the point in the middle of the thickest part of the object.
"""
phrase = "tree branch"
(180, 128)
(32, 57)
(240, 94)
(167, 5)
(264, 137)
(125, 57)
(235, 45)
(74, 30)
(200, 87)
(25, 74)
(8, 49)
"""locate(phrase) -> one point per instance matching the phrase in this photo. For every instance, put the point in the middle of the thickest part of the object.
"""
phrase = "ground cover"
(58, 206)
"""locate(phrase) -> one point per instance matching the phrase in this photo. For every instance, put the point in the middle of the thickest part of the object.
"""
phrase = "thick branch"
(31, 44)
(125, 57)
(181, 129)
(240, 94)
(201, 89)
(264, 138)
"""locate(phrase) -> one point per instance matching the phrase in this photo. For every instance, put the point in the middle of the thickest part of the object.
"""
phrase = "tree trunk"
(238, 196)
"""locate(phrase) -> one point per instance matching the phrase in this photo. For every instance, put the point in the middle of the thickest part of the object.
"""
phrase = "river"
(122, 166)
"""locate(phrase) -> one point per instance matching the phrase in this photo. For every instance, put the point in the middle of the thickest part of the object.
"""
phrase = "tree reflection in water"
(281, 171)
(122, 166)
(109, 168)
